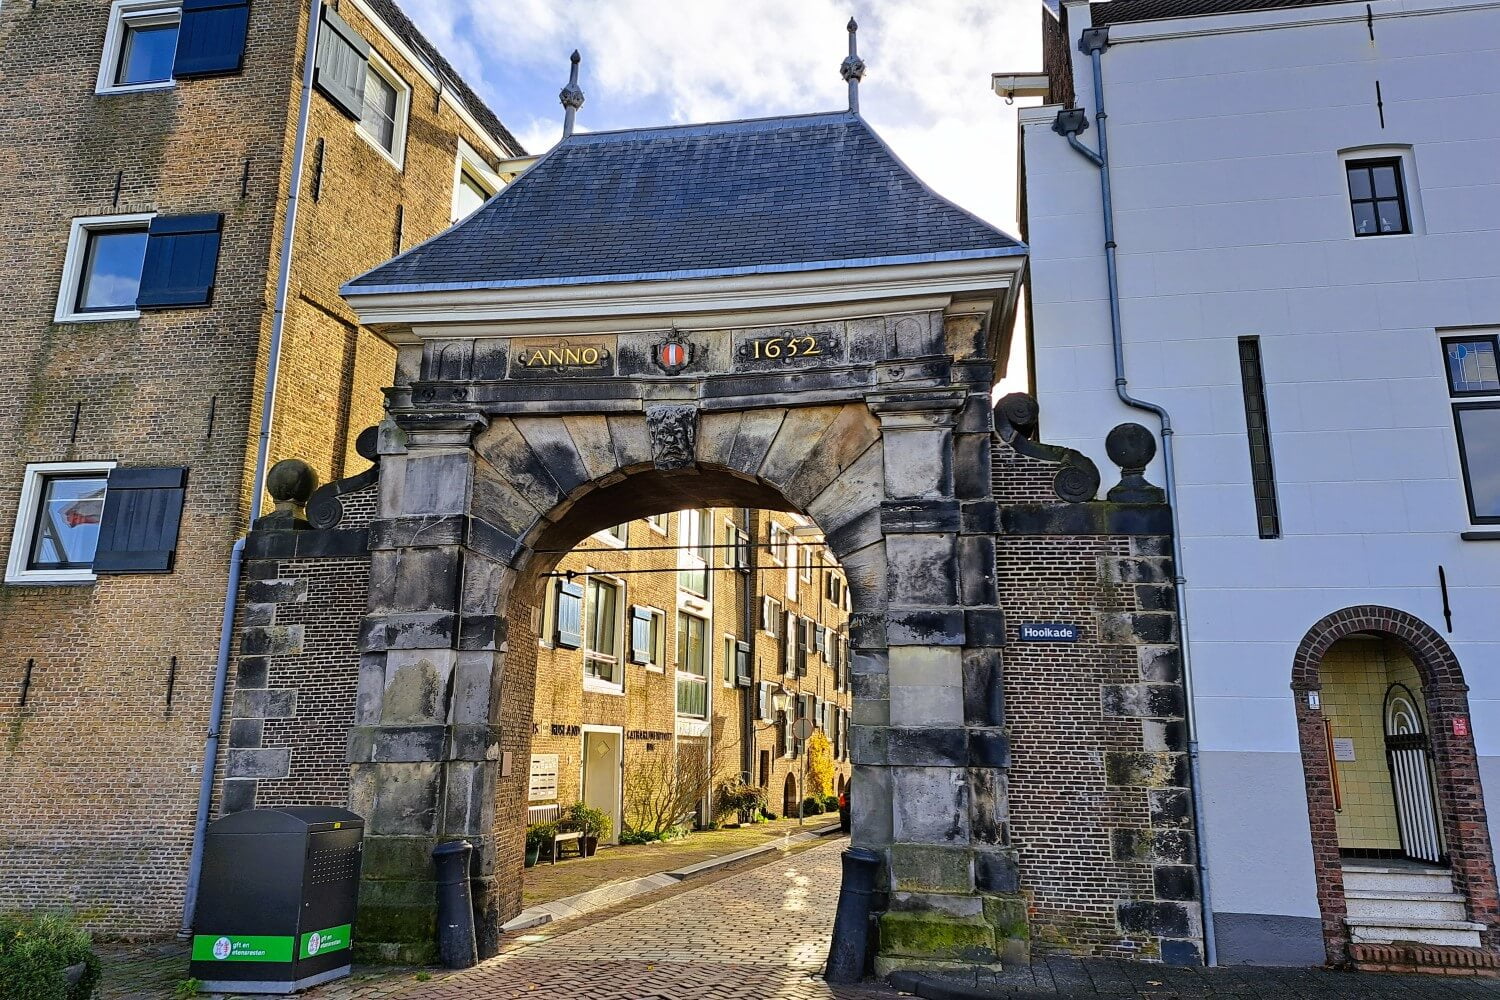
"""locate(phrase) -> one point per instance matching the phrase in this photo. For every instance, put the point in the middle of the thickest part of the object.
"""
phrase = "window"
(1471, 365)
(770, 615)
(601, 620)
(1377, 197)
(736, 548)
(139, 47)
(648, 638)
(807, 566)
(102, 268)
(692, 665)
(780, 538)
(1257, 426)
(792, 574)
(728, 660)
(614, 537)
(658, 523)
(567, 615)
(695, 537)
(57, 522)
(474, 182)
(1470, 362)
(382, 117)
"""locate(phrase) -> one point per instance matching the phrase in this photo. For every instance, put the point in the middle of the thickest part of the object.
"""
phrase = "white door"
(602, 762)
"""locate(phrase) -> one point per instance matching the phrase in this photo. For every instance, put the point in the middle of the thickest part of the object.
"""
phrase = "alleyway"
(762, 933)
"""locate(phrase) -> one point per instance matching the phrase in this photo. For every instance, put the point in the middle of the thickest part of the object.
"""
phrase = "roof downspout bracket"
(1069, 123)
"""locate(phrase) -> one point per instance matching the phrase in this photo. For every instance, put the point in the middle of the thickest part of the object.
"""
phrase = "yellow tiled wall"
(1356, 674)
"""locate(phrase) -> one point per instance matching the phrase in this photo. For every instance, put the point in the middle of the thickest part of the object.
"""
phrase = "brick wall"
(101, 777)
(1100, 810)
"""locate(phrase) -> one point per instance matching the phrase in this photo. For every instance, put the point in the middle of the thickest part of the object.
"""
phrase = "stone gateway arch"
(772, 314)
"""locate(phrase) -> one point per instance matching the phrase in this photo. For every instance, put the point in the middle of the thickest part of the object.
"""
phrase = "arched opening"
(1400, 837)
(670, 659)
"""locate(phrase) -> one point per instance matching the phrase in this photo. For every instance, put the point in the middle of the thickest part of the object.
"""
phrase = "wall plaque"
(789, 348)
(1343, 748)
(543, 357)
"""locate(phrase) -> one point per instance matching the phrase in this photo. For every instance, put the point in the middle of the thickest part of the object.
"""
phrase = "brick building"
(151, 150)
(698, 635)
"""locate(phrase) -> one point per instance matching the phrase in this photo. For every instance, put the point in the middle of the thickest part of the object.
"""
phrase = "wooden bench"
(574, 837)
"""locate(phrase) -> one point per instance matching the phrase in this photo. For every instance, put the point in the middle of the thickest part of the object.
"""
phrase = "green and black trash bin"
(276, 908)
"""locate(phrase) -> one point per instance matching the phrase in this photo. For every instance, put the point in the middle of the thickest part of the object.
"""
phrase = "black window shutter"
(742, 663)
(339, 71)
(569, 615)
(211, 38)
(182, 256)
(142, 512)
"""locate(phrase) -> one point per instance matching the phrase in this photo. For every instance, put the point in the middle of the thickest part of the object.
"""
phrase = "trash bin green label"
(241, 948)
(322, 942)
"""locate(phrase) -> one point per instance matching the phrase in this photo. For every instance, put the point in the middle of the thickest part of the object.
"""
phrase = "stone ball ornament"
(1130, 446)
(291, 480)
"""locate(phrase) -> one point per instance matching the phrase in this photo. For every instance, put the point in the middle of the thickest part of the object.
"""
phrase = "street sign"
(1049, 632)
(803, 728)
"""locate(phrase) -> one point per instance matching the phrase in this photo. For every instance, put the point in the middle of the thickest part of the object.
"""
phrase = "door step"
(1377, 906)
(1424, 958)
(1413, 930)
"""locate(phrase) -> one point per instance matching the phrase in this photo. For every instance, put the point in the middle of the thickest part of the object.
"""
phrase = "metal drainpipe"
(1093, 43)
(257, 486)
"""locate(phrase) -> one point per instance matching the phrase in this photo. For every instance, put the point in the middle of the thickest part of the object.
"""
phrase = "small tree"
(819, 764)
(661, 794)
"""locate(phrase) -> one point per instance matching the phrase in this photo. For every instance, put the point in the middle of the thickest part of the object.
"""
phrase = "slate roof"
(402, 25)
(1123, 11)
(793, 193)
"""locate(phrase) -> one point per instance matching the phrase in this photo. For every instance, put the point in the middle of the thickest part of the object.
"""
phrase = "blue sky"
(651, 62)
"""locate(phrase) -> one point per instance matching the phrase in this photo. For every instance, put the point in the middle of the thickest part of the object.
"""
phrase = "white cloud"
(926, 90)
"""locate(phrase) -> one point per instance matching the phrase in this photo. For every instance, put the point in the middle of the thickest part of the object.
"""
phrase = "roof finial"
(853, 69)
(571, 96)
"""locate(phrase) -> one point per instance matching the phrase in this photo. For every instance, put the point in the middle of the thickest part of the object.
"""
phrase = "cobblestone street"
(758, 934)
(761, 933)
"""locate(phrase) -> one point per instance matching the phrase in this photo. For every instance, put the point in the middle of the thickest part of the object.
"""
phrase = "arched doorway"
(1400, 837)
(791, 802)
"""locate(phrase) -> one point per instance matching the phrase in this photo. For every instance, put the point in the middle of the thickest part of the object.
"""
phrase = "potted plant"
(591, 822)
(538, 839)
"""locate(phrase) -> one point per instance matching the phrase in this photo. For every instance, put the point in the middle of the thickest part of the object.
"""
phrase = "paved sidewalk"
(546, 882)
(1093, 979)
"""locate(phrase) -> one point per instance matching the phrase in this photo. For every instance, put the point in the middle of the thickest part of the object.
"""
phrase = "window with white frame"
(387, 102)
(780, 539)
(601, 622)
(770, 615)
(658, 523)
(614, 537)
(140, 46)
(695, 535)
(648, 644)
(474, 181)
(57, 522)
(730, 650)
(1472, 363)
(807, 565)
(792, 572)
(102, 268)
(692, 665)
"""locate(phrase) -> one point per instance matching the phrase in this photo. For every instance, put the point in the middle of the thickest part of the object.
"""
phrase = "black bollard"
(457, 948)
(848, 955)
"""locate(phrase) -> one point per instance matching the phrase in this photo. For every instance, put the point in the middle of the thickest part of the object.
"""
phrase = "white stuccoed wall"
(1233, 219)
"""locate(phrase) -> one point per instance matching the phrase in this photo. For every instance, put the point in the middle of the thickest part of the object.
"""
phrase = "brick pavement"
(762, 932)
